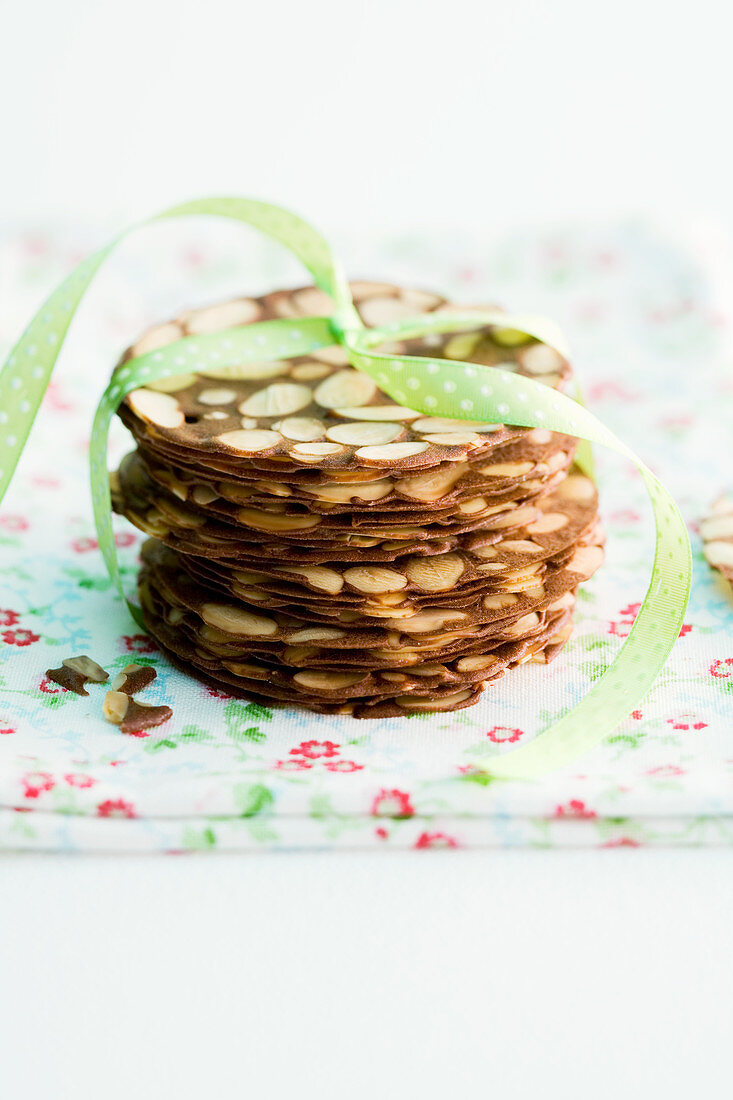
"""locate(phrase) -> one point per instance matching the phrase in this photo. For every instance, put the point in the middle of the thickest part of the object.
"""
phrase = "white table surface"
(515, 974)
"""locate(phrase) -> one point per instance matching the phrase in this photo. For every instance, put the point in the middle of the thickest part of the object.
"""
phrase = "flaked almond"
(334, 356)
(114, 707)
(217, 396)
(227, 315)
(507, 469)
(550, 521)
(313, 302)
(345, 387)
(452, 439)
(717, 527)
(473, 664)
(499, 601)
(473, 506)
(327, 681)
(339, 493)
(182, 517)
(509, 337)
(237, 620)
(576, 487)
(312, 452)
(427, 621)
(585, 561)
(133, 678)
(248, 670)
(365, 433)
(462, 346)
(719, 554)
(390, 452)
(249, 576)
(279, 399)
(250, 372)
(540, 359)
(447, 702)
(432, 485)
(364, 288)
(87, 668)
(521, 546)
(158, 337)
(156, 408)
(219, 414)
(376, 412)
(523, 626)
(383, 310)
(174, 383)
(250, 441)
(316, 634)
(317, 576)
(309, 372)
(272, 521)
(302, 429)
(374, 578)
(438, 574)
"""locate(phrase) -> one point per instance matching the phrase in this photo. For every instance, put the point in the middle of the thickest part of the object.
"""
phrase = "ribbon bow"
(440, 387)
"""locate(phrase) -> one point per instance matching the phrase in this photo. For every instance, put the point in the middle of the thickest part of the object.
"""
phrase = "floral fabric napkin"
(651, 346)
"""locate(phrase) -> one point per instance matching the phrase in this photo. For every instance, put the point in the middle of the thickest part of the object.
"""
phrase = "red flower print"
(381, 833)
(625, 515)
(215, 693)
(80, 781)
(575, 808)
(81, 546)
(50, 688)
(137, 733)
(501, 735)
(7, 617)
(686, 722)
(314, 750)
(36, 782)
(435, 840)
(124, 538)
(292, 765)
(722, 669)
(622, 627)
(139, 643)
(14, 524)
(115, 807)
(19, 637)
(343, 766)
(622, 842)
(635, 714)
(666, 771)
(8, 729)
(392, 804)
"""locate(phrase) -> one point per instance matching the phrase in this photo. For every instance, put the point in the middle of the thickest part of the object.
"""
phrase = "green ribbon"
(435, 387)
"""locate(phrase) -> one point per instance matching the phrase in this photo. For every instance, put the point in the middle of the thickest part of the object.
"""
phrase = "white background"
(425, 975)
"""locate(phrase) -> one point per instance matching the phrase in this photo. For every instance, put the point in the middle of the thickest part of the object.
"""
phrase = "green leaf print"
(252, 799)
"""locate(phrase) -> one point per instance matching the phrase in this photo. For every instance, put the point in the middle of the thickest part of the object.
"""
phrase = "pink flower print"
(139, 643)
(216, 693)
(666, 771)
(125, 538)
(54, 398)
(622, 842)
(636, 714)
(35, 783)
(115, 807)
(575, 808)
(80, 781)
(7, 617)
(435, 840)
(298, 765)
(392, 804)
(314, 750)
(622, 627)
(625, 515)
(381, 833)
(14, 524)
(686, 722)
(685, 629)
(343, 766)
(7, 730)
(19, 637)
(81, 546)
(722, 669)
(504, 735)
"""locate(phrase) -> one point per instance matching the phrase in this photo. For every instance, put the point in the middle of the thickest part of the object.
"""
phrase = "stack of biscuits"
(315, 544)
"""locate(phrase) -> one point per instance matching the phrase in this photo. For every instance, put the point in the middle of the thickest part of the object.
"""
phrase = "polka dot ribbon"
(441, 387)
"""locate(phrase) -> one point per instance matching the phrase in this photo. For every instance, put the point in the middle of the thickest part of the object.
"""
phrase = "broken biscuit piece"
(75, 672)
